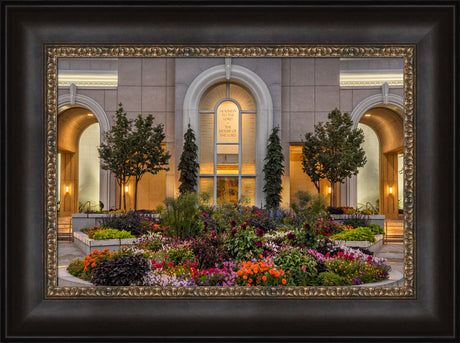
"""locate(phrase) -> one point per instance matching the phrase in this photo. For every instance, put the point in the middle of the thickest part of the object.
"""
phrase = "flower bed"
(231, 246)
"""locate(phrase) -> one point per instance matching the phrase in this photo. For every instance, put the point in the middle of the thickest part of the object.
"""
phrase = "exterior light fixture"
(67, 189)
(126, 189)
(390, 190)
(90, 114)
(367, 115)
(329, 190)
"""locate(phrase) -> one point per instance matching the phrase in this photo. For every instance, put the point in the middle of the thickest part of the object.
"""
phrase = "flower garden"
(228, 246)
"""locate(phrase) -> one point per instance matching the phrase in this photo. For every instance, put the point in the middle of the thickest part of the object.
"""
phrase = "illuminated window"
(227, 145)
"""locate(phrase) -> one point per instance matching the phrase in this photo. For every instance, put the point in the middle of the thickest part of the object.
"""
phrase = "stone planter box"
(88, 245)
(365, 244)
(378, 219)
(82, 220)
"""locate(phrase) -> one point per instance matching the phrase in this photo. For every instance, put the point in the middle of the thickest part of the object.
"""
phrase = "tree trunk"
(135, 194)
(119, 195)
(124, 196)
(332, 200)
(317, 185)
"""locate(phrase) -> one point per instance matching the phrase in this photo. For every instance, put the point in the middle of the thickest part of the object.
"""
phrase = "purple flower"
(307, 226)
(260, 232)
(233, 223)
(233, 232)
(290, 235)
(258, 244)
(243, 227)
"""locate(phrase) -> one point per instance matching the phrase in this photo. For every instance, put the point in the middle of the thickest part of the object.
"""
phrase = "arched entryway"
(78, 163)
(383, 127)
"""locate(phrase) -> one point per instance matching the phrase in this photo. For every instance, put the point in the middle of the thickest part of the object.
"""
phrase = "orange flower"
(264, 278)
(277, 274)
(283, 281)
(93, 265)
(271, 271)
(250, 280)
(245, 277)
(240, 272)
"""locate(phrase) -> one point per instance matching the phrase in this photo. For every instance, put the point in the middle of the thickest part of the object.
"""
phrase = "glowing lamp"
(67, 189)
(390, 190)
(329, 190)
(126, 189)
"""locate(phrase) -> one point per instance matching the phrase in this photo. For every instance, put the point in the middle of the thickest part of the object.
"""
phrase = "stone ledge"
(88, 245)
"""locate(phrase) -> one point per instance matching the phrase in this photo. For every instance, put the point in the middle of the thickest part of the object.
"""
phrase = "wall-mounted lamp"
(90, 114)
(367, 115)
(67, 189)
(390, 190)
(329, 190)
(126, 189)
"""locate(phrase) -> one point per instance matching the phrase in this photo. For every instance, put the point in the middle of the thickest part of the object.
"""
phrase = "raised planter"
(88, 245)
(88, 220)
(378, 219)
(364, 244)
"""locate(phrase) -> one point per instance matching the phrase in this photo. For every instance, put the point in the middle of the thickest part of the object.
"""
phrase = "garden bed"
(378, 219)
(364, 244)
(87, 245)
(88, 220)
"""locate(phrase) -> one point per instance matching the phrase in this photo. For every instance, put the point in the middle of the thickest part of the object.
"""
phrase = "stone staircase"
(65, 229)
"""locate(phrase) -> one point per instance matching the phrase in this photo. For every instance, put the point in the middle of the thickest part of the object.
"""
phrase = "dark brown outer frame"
(26, 315)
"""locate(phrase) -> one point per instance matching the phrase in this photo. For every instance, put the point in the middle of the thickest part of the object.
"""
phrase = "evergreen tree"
(333, 151)
(188, 165)
(273, 170)
(147, 154)
(114, 151)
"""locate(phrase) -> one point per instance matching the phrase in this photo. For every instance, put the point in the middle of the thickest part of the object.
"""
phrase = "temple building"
(232, 104)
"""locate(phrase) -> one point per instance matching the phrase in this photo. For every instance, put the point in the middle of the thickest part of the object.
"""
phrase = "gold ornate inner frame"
(407, 52)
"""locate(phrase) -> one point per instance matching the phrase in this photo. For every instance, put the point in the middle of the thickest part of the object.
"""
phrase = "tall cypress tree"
(188, 165)
(273, 170)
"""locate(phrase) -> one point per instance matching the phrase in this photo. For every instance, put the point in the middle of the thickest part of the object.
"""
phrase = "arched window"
(228, 145)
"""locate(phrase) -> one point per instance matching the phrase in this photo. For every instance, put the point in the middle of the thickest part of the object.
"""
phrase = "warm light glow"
(67, 189)
(390, 190)
(90, 114)
(329, 190)
(126, 189)
(367, 115)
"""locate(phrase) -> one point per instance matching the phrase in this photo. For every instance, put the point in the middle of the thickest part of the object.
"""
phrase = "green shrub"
(123, 270)
(180, 254)
(358, 234)
(181, 216)
(110, 234)
(132, 221)
(357, 272)
(305, 237)
(75, 267)
(309, 207)
(243, 243)
(357, 220)
(376, 229)
(300, 267)
(331, 279)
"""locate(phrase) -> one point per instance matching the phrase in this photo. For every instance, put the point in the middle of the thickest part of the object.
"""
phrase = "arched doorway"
(257, 89)
(78, 167)
(383, 126)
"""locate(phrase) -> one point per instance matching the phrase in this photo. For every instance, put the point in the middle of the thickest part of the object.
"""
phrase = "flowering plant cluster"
(237, 247)
(93, 258)
(260, 273)
(326, 227)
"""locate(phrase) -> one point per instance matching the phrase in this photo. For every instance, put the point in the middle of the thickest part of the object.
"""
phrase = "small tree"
(114, 152)
(147, 154)
(273, 170)
(188, 165)
(333, 151)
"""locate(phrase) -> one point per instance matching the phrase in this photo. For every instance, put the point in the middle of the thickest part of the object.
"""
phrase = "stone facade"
(302, 90)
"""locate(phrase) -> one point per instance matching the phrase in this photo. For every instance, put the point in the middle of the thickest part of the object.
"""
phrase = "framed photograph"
(235, 76)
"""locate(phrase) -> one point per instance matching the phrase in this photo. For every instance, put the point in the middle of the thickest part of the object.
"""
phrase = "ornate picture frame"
(36, 35)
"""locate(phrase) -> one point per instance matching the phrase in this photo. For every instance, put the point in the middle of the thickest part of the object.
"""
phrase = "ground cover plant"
(233, 246)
